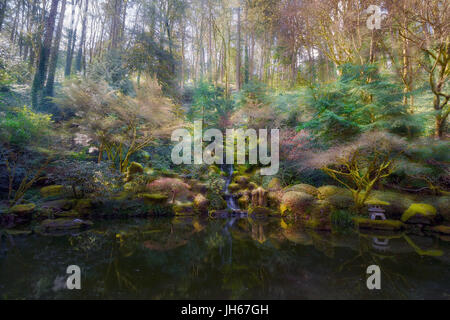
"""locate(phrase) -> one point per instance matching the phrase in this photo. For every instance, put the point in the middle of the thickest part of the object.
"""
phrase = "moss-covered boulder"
(23, 209)
(234, 187)
(244, 200)
(63, 224)
(274, 184)
(394, 203)
(420, 213)
(184, 209)
(201, 204)
(153, 198)
(252, 186)
(296, 202)
(52, 191)
(242, 180)
(58, 205)
(388, 225)
(342, 200)
(305, 188)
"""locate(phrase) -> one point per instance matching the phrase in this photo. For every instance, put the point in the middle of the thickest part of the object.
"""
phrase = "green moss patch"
(364, 223)
(419, 209)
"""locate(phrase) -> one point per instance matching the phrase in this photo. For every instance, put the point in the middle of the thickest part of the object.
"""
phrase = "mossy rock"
(52, 191)
(389, 225)
(70, 214)
(23, 209)
(328, 191)
(421, 213)
(133, 170)
(244, 201)
(12, 232)
(261, 211)
(184, 208)
(341, 201)
(242, 180)
(252, 186)
(306, 188)
(275, 184)
(233, 187)
(153, 198)
(64, 224)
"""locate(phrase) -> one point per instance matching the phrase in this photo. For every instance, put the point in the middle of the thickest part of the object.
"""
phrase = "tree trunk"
(40, 75)
(238, 51)
(79, 59)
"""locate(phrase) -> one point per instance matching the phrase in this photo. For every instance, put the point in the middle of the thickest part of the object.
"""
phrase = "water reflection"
(240, 258)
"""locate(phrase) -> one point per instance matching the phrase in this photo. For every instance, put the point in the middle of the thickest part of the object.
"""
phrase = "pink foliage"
(170, 186)
(293, 144)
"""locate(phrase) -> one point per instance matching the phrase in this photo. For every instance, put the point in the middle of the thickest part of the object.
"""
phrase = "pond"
(234, 258)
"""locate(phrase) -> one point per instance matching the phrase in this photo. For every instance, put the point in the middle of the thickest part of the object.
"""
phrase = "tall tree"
(41, 72)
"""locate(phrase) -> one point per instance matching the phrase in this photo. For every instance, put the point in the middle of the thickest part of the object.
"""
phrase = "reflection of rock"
(420, 213)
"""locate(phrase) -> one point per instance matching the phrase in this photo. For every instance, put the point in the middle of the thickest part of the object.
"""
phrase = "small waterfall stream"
(231, 202)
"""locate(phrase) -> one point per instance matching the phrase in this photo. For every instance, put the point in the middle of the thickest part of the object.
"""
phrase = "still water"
(192, 258)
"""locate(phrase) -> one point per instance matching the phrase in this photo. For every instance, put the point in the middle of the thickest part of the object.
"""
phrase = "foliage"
(23, 127)
(120, 125)
(86, 177)
(210, 105)
(360, 100)
(360, 165)
(170, 186)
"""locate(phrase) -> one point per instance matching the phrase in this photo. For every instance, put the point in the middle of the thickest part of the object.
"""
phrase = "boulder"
(388, 225)
(52, 191)
(420, 213)
(328, 191)
(84, 206)
(320, 215)
(296, 202)
(242, 181)
(393, 203)
(443, 206)
(23, 209)
(261, 211)
(306, 188)
(233, 187)
(133, 170)
(153, 198)
(244, 200)
(58, 205)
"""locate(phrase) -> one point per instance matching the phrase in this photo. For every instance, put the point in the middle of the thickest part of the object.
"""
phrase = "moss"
(364, 223)
(419, 209)
(233, 187)
(23, 209)
(135, 168)
(376, 202)
(305, 188)
(153, 198)
(69, 214)
(244, 201)
(252, 186)
(295, 202)
(242, 180)
(52, 191)
(184, 208)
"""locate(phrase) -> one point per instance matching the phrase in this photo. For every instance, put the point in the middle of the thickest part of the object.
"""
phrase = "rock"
(389, 225)
(242, 181)
(259, 197)
(52, 191)
(274, 184)
(201, 203)
(69, 214)
(328, 191)
(394, 203)
(420, 213)
(295, 202)
(184, 208)
(64, 224)
(233, 187)
(23, 209)
(153, 198)
(341, 200)
(58, 205)
(252, 186)
(306, 188)
(13, 232)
